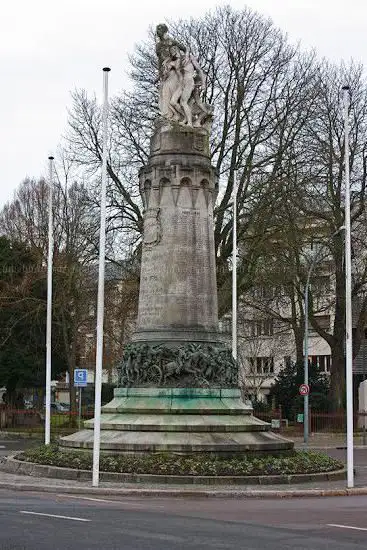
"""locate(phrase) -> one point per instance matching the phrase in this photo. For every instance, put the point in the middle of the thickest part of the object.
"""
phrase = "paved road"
(360, 462)
(360, 455)
(45, 521)
(9, 445)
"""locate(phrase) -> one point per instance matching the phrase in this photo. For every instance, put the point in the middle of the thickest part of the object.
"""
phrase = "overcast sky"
(49, 48)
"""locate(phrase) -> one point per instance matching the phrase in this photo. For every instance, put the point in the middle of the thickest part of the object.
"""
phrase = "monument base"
(179, 420)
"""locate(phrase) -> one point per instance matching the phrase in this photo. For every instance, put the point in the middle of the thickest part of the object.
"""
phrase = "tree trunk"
(298, 333)
(298, 337)
(337, 386)
(337, 381)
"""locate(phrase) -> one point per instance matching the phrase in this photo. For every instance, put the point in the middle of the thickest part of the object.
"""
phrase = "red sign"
(304, 389)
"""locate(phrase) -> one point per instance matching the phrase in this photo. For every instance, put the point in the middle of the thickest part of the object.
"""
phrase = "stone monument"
(178, 387)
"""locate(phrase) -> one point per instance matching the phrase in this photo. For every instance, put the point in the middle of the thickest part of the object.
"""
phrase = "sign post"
(80, 381)
(304, 390)
(80, 408)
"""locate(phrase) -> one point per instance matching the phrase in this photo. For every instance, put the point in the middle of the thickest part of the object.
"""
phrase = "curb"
(320, 447)
(20, 484)
(19, 467)
(181, 493)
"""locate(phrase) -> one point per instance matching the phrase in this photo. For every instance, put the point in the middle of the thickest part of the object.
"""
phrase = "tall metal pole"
(100, 299)
(305, 362)
(348, 300)
(234, 270)
(49, 304)
(80, 408)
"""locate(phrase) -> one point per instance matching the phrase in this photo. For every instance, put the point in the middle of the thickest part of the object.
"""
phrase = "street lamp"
(234, 270)
(348, 296)
(305, 358)
(49, 304)
(100, 297)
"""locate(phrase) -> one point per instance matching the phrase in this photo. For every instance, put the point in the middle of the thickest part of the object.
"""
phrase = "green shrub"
(191, 465)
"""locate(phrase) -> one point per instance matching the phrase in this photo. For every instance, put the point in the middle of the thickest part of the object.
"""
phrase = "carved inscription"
(152, 227)
(152, 287)
(177, 285)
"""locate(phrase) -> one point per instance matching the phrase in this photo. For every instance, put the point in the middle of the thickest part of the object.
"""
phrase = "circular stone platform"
(181, 420)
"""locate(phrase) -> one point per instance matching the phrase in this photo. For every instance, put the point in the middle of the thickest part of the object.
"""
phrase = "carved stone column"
(178, 291)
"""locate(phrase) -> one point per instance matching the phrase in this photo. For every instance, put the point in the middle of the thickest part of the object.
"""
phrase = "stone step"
(179, 423)
(178, 392)
(177, 405)
(117, 441)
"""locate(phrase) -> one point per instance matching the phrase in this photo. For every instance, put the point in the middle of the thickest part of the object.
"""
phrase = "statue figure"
(182, 81)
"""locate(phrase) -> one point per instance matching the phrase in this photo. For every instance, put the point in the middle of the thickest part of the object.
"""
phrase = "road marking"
(347, 527)
(2, 447)
(130, 503)
(52, 515)
(87, 498)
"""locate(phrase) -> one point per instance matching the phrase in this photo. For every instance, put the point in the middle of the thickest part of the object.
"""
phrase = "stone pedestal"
(178, 291)
(179, 420)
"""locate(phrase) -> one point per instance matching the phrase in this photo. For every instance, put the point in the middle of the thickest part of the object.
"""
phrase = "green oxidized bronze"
(192, 365)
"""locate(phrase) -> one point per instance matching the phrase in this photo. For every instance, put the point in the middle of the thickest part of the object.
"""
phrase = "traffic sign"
(80, 378)
(304, 389)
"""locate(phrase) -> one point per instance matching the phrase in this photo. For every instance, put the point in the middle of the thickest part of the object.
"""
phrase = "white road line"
(87, 498)
(347, 527)
(2, 447)
(52, 515)
(129, 503)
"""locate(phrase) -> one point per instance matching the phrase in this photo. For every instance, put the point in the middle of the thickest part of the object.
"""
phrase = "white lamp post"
(100, 299)
(49, 304)
(348, 299)
(234, 270)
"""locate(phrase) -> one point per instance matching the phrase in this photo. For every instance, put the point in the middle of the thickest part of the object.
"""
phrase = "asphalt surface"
(49, 521)
(360, 459)
(57, 519)
(10, 444)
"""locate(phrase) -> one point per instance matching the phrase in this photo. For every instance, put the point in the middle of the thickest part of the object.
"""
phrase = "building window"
(264, 292)
(260, 327)
(322, 362)
(261, 365)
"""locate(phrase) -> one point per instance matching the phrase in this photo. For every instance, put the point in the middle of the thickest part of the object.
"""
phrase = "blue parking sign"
(80, 378)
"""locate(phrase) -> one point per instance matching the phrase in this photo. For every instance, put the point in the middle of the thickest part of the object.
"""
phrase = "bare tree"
(75, 235)
(319, 192)
(278, 124)
(263, 90)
